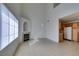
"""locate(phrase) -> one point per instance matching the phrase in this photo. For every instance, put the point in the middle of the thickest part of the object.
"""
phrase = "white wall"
(35, 13)
(54, 14)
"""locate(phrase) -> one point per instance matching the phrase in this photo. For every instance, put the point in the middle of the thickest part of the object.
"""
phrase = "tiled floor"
(45, 47)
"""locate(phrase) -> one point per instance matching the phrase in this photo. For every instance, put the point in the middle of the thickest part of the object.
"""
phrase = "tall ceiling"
(72, 17)
(29, 10)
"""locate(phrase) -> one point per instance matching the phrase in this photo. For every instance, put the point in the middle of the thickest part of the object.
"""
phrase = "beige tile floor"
(45, 47)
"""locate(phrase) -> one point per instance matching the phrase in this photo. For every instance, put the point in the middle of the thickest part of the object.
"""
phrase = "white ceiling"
(72, 17)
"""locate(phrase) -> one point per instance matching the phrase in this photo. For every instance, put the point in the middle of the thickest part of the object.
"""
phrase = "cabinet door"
(75, 31)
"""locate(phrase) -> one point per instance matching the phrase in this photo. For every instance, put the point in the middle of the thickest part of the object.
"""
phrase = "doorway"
(65, 31)
(69, 28)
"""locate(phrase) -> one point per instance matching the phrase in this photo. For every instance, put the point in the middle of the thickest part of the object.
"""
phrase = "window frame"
(15, 19)
(0, 26)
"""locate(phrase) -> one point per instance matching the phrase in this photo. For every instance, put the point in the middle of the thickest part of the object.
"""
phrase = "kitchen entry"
(69, 31)
(69, 28)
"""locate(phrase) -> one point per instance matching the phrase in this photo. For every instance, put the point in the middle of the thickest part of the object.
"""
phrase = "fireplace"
(26, 37)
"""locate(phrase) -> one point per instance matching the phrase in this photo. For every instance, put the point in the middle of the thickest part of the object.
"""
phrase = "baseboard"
(53, 40)
(42, 38)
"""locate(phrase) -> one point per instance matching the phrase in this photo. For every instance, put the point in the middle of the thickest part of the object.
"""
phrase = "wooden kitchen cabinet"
(75, 31)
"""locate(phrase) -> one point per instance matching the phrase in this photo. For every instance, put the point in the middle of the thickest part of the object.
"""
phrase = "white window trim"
(9, 29)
